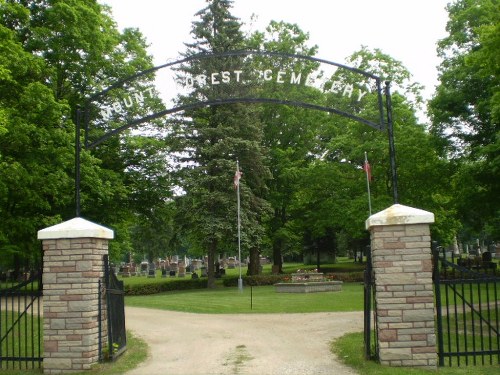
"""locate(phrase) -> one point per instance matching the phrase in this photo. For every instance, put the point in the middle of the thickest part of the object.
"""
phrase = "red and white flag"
(237, 177)
(368, 170)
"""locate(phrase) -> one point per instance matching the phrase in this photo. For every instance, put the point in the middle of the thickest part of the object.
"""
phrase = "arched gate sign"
(236, 77)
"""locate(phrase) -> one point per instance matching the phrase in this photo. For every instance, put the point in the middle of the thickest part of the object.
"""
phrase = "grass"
(349, 349)
(137, 352)
(261, 299)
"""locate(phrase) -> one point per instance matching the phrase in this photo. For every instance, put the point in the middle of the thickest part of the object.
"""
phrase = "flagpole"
(367, 172)
(240, 281)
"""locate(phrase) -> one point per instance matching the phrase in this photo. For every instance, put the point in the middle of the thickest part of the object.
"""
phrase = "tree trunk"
(318, 258)
(277, 257)
(212, 251)
(254, 265)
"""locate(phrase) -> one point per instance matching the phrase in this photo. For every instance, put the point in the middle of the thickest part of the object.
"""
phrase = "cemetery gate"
(467, 307)
(370, 329)
(21, 325)
(115, 309)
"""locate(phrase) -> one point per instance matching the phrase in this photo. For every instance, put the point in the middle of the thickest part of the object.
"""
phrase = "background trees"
(465, 113)
(302, 183)
(210, 141)
(54, 54)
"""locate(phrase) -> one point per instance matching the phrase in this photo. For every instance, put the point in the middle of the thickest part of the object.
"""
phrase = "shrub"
(257, 280)
(347, 277)
(166, 286)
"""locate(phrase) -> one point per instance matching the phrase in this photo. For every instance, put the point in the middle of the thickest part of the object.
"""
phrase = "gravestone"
(182, 270)
(151, 270)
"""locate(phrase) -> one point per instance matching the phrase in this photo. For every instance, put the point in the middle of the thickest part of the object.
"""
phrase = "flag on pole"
(237, 177)
(368, 170)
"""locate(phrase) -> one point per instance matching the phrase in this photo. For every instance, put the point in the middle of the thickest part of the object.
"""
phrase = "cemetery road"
(246, 344)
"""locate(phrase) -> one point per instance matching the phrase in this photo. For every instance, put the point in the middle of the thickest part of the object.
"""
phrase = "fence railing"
(467, 304)
(21, 326)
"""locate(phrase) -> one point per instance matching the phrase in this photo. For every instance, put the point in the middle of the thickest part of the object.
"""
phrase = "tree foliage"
(210, 141)
(54, 54)
(465, 111)
(303, 184)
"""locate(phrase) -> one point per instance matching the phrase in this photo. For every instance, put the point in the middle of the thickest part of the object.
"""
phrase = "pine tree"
(211, 139)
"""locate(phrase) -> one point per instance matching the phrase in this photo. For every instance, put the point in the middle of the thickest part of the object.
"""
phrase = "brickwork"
(402, 265)
(72, 268)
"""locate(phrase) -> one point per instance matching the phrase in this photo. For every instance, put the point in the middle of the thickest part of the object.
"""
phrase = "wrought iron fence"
(21, 326)
(467, 306)
(115, 308)
(370, 330)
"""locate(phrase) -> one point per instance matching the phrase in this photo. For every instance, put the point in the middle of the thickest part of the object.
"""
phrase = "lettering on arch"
(236, 77)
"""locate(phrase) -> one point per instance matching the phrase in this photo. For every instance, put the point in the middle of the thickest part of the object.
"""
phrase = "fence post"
(72, 268)
(402, 265)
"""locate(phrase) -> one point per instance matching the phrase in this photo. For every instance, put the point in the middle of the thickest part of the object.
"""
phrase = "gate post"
(72, 267)
(402, 264)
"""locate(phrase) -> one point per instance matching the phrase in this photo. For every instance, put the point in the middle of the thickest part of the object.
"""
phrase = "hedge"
(261, 280)
(227, 281)
(166, 286)
(258, 280)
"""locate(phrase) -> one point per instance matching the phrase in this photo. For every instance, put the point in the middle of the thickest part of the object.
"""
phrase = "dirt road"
(246, 344)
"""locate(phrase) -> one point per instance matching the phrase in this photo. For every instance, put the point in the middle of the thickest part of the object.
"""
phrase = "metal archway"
(348, 89)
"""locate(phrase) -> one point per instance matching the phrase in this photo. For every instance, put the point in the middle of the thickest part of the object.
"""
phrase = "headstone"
(196, 264)
(204, 272)
(144, 268)
(151, 270)
(182, 271)
(126, 271)
(133, 269)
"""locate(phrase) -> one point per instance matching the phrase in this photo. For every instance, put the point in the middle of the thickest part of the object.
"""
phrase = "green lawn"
(136, 353)
(261, 299)
(349, 349)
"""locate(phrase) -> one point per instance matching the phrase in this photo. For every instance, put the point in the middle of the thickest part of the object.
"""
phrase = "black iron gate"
(21, 326)
(467, 307)
(115, 307)
(370, 329)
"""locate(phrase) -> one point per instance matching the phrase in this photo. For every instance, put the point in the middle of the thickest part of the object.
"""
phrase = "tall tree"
(332, 194)
(75, 50)
(36, 152)
(211, 139)
(289, 132)
(465, 111)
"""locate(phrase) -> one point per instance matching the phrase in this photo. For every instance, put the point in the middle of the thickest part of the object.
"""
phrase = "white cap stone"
(398, 214)
(75, 228)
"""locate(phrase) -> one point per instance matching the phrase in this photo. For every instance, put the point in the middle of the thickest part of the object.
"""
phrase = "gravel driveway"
(253, 344)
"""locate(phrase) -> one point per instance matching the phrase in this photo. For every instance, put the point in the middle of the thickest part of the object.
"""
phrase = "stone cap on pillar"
(398, 214)
(75, 228)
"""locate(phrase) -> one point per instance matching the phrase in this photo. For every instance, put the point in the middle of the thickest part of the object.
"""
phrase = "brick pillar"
(402, 264)
(72, 267)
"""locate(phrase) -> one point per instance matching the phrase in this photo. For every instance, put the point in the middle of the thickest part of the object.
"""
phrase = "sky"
(407, 30)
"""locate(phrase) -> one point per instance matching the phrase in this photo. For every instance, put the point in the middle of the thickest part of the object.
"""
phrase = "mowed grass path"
(261, 299)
